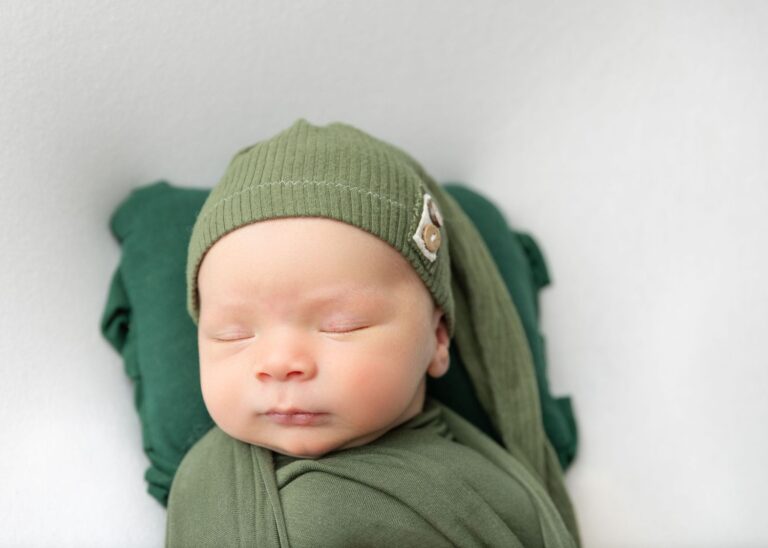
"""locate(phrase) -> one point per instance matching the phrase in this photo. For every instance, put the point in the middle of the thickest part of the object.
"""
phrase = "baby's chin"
(308, 444)
(312, 447)
(304, 447)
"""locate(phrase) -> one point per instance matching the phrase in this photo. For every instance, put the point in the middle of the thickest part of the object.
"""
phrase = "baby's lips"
(294, 417)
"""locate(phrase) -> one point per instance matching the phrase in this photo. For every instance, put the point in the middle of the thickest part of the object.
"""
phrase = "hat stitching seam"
(305, 182)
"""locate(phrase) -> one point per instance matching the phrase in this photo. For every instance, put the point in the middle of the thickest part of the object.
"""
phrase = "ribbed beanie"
(335, 171)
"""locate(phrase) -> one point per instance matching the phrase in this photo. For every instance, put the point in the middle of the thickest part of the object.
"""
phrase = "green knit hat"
(334, 171)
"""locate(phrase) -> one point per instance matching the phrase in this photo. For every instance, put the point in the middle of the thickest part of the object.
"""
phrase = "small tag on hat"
(428, 237)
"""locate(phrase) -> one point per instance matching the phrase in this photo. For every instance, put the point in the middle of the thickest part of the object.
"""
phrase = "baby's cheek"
(376, 389)
(217, 396)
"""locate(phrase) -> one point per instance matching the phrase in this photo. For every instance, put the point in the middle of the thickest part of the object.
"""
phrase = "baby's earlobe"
(440, 361)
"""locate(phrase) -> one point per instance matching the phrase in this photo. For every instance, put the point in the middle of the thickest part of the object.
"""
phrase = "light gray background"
(629, 138)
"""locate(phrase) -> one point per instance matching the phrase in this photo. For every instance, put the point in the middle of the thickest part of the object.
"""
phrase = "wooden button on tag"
(427, 235)
(431, 236)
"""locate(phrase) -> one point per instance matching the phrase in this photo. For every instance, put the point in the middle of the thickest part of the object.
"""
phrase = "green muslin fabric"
(435, 481)
(337, 171)
(146, 321)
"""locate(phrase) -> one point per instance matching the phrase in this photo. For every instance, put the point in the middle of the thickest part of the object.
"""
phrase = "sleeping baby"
(320, 279)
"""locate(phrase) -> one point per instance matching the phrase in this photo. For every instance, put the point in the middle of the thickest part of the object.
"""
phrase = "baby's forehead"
(294, 256)
(319, 239)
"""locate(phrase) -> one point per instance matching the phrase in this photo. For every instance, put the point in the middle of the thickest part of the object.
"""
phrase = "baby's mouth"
(294, 417)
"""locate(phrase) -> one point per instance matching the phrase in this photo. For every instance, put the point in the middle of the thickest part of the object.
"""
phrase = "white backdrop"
(628, 138)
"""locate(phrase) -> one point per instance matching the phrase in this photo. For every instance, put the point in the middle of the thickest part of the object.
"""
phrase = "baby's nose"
(285, 371)
(284, 358)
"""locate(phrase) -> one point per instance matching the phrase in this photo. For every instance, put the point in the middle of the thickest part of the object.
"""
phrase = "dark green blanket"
(145, 319)
(434, 481)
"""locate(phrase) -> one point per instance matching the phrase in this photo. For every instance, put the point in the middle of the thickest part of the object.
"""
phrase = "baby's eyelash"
(232, 338)
(344, 330)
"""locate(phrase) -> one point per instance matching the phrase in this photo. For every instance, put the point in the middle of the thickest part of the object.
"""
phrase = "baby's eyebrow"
(341, 294)
(344, 294)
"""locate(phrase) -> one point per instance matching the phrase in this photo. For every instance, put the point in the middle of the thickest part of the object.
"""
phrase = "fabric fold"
(436, 480)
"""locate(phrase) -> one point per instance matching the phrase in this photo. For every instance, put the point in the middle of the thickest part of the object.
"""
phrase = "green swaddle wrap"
(434, 481)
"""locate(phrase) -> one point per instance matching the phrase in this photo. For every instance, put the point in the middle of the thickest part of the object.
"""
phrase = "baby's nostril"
(294, 374)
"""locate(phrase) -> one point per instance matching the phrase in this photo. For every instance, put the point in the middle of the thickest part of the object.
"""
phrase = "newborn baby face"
(314, 335)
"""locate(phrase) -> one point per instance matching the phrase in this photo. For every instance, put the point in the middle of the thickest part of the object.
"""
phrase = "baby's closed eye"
(234, 336)
(343, 323)
(343, 328)
(334, 326)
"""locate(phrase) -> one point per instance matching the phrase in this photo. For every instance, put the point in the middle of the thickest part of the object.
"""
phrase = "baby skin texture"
(314, 335)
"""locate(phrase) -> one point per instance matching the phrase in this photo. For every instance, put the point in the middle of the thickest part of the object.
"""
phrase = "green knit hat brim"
(334, 171)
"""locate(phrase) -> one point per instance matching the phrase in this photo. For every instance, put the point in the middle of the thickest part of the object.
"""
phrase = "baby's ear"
(441, 359)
